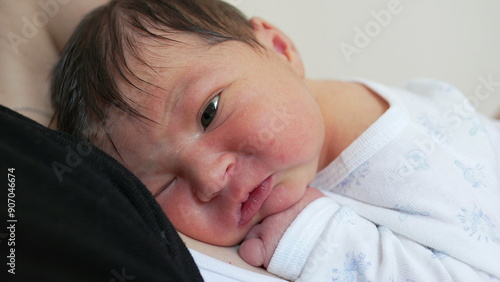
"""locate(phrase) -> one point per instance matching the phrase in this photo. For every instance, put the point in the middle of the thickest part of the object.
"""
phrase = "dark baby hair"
(84, 83)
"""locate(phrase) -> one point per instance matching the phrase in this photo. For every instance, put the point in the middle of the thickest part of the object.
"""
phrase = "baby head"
(211, 111)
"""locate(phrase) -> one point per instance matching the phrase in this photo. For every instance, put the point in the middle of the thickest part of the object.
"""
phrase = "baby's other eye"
(209, 113)
(165, 187)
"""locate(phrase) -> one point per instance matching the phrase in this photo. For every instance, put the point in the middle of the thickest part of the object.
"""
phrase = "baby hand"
(258, 246)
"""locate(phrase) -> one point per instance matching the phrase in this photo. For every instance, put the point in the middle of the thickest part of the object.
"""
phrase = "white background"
(456, 41)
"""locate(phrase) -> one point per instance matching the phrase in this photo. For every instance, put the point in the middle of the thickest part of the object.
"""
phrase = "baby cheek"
(204, 225)
(189, 221)
(268, 134)
(180, 211)
(283, 197)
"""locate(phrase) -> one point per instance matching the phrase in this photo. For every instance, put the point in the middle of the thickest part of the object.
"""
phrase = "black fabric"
(81, 216)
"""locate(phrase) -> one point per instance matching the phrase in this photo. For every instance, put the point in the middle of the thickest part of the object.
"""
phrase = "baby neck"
(348, 109)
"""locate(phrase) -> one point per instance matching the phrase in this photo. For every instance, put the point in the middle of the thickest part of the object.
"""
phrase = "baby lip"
(248, 195)
(254, 200)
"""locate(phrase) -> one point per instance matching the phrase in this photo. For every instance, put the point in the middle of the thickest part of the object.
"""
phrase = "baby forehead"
(155, 65)
(151, 69)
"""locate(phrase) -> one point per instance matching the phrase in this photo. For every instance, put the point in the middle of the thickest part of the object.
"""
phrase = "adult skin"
(32, 34)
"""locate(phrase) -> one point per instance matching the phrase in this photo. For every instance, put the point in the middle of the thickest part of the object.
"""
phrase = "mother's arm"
(32, 34)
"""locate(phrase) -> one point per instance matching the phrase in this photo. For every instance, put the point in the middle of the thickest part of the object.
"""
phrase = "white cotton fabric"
(214, 270)
(415, 198)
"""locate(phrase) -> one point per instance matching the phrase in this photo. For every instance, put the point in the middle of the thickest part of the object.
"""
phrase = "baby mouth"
(254, 200)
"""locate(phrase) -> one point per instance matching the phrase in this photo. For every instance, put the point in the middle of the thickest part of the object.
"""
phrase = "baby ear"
(274, 39)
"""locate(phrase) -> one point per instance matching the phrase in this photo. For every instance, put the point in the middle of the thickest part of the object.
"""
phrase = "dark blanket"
(78, 215)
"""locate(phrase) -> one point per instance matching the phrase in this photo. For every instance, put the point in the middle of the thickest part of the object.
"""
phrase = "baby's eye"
(209, 113)
(165, 187)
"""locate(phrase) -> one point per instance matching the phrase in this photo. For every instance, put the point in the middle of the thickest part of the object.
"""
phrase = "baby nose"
(212, 175)
(207, 193)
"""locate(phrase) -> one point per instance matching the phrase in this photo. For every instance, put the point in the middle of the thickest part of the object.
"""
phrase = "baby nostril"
(206, 195)
(229, 169)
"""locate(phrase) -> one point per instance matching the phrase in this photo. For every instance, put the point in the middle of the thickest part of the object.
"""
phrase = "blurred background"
(393, 41)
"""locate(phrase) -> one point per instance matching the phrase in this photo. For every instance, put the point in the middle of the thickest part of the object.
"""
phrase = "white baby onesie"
(415, 198)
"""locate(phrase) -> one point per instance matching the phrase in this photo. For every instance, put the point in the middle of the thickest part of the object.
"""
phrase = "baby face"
(235, 136)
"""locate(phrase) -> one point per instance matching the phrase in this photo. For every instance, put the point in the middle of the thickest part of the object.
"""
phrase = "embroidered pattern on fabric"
(438, 132)
(478, 225)
(474, 175)
(355, 178)
(406, 211)
(418, 160)
(355, 267)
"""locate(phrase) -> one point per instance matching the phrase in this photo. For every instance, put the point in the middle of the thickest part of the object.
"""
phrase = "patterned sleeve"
(328, 242)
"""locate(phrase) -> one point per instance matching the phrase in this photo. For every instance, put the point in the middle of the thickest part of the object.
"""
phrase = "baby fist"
(258, 246)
